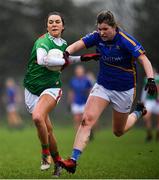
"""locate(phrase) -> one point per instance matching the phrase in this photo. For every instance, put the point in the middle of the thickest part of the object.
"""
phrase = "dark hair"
(57, 13)
(107, 17)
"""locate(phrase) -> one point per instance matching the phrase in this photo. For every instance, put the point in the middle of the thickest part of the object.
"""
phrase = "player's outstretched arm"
(83, 58)
(76, 46)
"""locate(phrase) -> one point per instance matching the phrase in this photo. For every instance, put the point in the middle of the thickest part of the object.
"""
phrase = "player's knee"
(49, 130)
(37, 118)
(88, 120)
(118, 133)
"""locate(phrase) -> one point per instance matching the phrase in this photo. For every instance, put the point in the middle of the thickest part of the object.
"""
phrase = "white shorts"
(152, 106)
(121, 100)
(32, 99)
(77, 109)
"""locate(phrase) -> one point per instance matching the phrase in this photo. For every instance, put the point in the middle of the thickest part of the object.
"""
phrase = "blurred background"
(23, 21)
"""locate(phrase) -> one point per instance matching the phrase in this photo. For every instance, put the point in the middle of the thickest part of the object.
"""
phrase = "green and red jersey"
(38, 78)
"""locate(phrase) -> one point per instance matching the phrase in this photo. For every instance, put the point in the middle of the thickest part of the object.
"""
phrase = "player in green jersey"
(43, 88)
(152, 106)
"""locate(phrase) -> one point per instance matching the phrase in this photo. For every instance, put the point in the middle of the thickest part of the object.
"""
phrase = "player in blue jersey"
(12, 96)
(116, 81)
(80, 87)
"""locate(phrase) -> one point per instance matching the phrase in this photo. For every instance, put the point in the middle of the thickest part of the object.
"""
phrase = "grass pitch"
(106, 157)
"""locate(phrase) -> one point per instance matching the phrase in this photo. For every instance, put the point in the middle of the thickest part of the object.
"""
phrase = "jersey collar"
(58, 41)
(51, 37)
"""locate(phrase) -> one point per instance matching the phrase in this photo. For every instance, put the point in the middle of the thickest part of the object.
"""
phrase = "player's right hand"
(66, 58)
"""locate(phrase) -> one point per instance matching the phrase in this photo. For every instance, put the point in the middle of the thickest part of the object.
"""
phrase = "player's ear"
(63, 29)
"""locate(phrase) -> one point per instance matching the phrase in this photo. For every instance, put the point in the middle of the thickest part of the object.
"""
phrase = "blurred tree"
(122, 9)
(146, 29)
(17, 33)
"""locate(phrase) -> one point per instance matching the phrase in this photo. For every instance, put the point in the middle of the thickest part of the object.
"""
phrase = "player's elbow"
(39, 63)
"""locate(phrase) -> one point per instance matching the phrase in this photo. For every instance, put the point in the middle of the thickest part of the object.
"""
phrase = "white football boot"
(45, 163)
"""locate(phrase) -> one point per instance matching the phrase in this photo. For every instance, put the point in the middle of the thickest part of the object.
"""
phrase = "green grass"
(105, 157)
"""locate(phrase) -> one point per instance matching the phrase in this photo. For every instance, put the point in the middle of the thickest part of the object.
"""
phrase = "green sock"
(45, 150)
(55, 156)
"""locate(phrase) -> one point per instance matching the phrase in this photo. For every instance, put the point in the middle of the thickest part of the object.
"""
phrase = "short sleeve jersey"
(38, 78)
(80, 87)
(117, 65)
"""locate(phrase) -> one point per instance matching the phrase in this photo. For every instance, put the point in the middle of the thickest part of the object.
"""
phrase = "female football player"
(12, 96)
(43, 86)
(116, 81)
(79, 88)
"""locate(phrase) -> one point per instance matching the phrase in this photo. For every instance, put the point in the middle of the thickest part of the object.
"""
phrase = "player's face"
(106, 32)
(55, 25)
(79, 71)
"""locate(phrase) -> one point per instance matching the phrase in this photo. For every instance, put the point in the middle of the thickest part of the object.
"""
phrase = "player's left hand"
(151, 87)
(92, 56)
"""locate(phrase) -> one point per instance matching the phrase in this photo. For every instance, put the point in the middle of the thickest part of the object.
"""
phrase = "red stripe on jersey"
(42, 36)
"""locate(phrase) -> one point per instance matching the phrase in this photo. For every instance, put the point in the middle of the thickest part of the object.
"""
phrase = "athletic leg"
(52, 141)
(45, 104)
(122, 122)
(148, 125)
(53, 148)
(91, 114)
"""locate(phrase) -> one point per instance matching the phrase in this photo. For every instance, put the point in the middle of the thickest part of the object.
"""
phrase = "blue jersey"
(118, 60)
(80, 87)
(11, 93)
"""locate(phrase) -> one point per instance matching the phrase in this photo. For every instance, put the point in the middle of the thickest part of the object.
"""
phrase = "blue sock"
(138, 114)
(76, 154)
